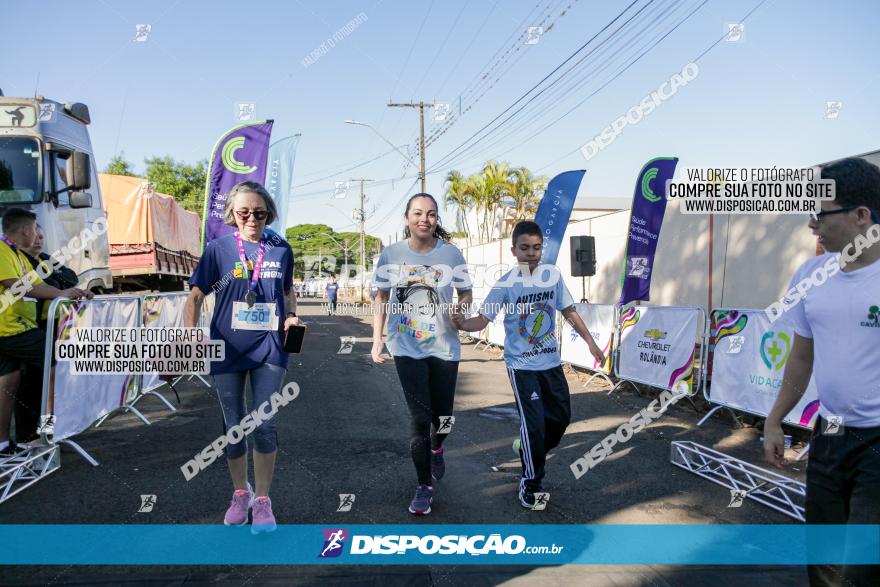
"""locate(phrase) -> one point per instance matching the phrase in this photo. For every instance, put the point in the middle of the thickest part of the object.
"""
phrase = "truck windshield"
(19, 170)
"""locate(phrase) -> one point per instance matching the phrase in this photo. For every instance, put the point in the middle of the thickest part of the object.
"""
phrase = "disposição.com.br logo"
(479, 544)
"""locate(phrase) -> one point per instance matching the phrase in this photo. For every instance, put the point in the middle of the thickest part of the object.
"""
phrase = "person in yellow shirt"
(56, 275)
(21, 341)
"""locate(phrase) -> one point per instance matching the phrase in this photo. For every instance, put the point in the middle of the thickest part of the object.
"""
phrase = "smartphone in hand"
(293, 340)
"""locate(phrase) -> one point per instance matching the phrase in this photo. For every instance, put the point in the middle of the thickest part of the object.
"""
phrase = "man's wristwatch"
(291, 315)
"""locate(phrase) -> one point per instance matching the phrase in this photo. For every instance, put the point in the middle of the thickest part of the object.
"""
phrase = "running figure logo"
(736, 498)
(346, 500)
(638, 267)
(446, 423)
(541, 499)
(147, 503)
(142, 32)
(333, 542)
(346, 344)
(832, 426)
(47, 112)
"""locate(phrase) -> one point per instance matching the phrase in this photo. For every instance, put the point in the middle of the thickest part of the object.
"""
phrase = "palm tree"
(478, 188)
(458, 194)
(498, 187)
(525, 192)
(497, 184)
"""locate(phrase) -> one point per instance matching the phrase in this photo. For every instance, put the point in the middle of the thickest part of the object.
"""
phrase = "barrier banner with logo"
(658, 345)
(240, 155)
(80, 399)
(599, 319)
(749, 359)
(645, 221)
(162, 311)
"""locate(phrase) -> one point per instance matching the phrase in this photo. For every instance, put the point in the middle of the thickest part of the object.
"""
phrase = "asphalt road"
(347, 432)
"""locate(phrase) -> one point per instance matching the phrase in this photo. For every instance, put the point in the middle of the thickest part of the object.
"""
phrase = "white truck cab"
(47, 166)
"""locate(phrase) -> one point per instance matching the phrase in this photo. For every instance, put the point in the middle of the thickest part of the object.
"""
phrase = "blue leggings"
(265, 380)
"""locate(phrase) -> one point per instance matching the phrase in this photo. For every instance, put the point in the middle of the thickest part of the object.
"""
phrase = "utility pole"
(361, 215)
(421, 106)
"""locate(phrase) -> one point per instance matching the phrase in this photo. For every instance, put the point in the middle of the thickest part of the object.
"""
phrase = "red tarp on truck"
(145, 227)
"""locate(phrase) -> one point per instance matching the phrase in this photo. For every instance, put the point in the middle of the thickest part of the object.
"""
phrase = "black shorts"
(26, 348)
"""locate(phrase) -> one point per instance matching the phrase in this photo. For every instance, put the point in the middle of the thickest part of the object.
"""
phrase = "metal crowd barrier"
(25, 468)
(700, 340)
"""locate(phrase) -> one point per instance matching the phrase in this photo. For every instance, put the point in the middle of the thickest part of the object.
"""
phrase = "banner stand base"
(82, 452)
(621, 383)
(766, 487)
(123, 409)
(736, 417)
(708, 415)
(569, 368)
(189, 378)
(600, 375)
(20, 471)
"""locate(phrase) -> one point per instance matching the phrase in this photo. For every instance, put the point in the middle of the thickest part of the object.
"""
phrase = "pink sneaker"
(264, 521)
(237, 514)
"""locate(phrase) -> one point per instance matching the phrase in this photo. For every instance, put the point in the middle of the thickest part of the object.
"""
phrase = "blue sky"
(759, 102)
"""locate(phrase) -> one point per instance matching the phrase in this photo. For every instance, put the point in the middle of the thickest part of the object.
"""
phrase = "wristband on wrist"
(291, 315)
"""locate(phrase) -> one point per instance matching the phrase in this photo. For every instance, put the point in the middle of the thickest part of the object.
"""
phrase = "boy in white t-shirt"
(531, 352)
(837, 341)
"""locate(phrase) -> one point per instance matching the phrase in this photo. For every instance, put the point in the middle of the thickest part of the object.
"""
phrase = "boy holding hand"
(531, 351)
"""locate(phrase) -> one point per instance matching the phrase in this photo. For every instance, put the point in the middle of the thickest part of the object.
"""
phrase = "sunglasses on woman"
(257, 214)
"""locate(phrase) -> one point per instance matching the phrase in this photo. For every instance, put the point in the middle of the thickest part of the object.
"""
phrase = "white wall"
(754, 257)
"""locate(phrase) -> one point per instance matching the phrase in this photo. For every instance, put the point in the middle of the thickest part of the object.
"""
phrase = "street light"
(402, 154)
(345, 250)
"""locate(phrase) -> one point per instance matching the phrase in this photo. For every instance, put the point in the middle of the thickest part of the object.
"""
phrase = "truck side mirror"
(79, 171)
(80, 200)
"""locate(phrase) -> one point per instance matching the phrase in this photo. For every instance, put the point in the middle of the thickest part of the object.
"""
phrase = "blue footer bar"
(440, 544)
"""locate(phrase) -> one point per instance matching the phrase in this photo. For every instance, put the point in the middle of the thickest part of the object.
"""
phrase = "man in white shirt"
(837, 341)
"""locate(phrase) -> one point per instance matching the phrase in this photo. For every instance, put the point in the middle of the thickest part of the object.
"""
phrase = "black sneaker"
(10, 451)
(438, 465)
(528, 500)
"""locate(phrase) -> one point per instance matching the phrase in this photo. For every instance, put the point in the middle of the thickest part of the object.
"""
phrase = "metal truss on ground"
(21, 470)
(764, 486)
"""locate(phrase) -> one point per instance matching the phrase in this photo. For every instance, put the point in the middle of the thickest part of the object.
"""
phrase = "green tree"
(119, 166)
(524, 196)
(459, 195)
(320, 240)
(496, 185)
(185, 182)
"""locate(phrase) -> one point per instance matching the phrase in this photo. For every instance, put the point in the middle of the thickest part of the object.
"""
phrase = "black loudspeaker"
(583, 256)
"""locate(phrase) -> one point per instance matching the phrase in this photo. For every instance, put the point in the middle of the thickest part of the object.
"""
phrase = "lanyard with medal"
(249, 315)
(251, 296)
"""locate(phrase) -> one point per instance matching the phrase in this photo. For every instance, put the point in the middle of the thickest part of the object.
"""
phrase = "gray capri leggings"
(265, 380)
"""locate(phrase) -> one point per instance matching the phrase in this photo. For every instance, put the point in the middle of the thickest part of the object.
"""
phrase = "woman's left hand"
(292, 321)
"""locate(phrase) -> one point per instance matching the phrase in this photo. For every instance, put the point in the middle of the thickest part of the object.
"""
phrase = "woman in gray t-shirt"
(415, 279)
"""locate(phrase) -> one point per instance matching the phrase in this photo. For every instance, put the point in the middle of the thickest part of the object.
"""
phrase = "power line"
(697, 58)
(356, 161)
(650, 19)
(466, 102)
(342, 171)
(545, 78)
(439, 49)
